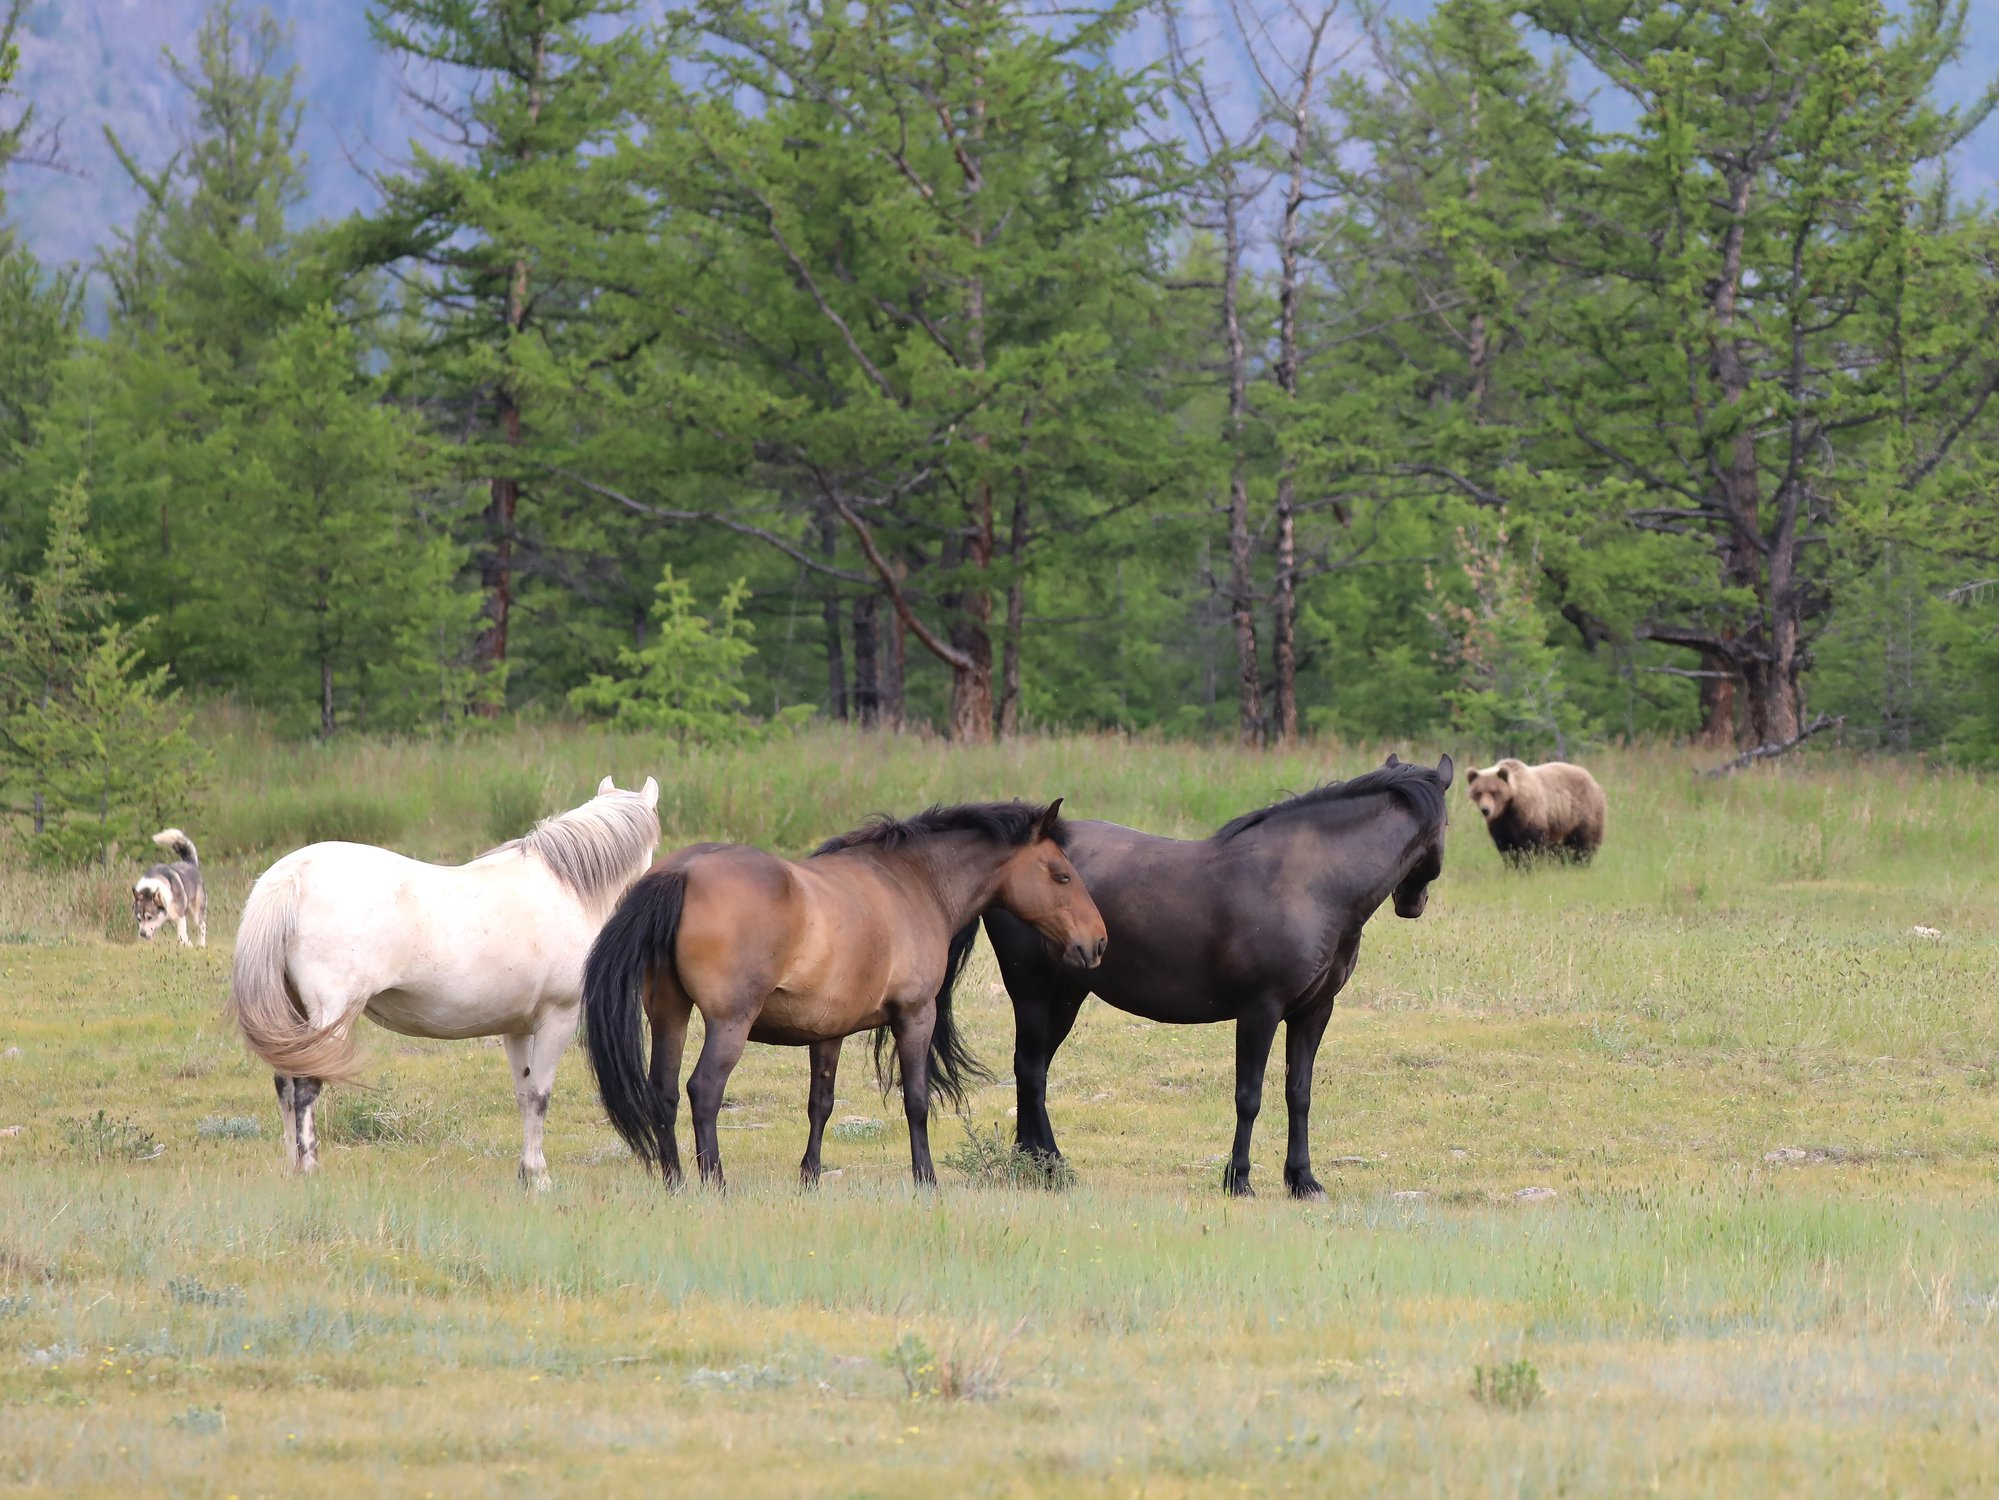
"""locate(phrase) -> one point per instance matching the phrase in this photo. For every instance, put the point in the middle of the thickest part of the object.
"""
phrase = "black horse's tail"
(953, 1069)
(636, 943)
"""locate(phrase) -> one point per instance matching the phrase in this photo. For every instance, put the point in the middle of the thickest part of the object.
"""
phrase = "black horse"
(1258, 924)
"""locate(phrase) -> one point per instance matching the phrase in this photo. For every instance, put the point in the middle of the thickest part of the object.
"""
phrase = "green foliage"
(1509, 695)
(687, 680)
(92, 747)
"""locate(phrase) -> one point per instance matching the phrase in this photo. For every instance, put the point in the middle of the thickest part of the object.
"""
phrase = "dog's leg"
(201, 915)
(180, 923)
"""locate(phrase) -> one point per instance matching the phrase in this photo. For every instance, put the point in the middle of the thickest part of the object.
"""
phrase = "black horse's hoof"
(1307, 1189)
(1236, 1185)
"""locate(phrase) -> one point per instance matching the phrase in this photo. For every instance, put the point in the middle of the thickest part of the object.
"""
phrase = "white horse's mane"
(592, 849)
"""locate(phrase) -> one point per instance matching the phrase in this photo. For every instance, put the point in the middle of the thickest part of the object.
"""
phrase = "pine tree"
(499, 246)
(687, 681)
(92, 747)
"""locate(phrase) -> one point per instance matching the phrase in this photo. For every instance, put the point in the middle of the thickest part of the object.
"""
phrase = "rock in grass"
(1785, 1156)
(1409, 1195)
(1536, 1194)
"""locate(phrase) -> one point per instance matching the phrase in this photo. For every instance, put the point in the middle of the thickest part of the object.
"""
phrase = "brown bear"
(1554, 808)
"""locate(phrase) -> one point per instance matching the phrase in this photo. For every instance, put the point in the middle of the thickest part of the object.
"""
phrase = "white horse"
(334, 931)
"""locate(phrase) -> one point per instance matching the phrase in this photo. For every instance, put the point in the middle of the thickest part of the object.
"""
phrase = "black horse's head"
(1412, 892)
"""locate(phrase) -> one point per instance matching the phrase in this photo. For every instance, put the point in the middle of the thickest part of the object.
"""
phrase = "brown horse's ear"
(1393, 759)
(1445, 770)
(1051, 815)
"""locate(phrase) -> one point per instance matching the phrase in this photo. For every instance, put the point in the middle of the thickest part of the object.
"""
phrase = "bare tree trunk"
(1249, 675)
(971, 719)
(1284, 602)
(325, 696)
(895, 672)
(836, 665)
(867, 662)
(1016, 599)
(496, 566)
(1717, 701)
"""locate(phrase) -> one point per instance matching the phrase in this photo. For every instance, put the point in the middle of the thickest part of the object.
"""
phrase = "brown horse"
(870, 932)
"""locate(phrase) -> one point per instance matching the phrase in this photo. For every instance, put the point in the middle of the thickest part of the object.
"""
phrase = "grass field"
(1762, 1113)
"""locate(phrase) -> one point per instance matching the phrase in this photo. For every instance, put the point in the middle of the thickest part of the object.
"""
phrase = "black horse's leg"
(669, 1039)
(720, 1051)
(912, 1051)
(1302, 1034)
(1255, 1030)
(1042, 1021)
(825, 1067)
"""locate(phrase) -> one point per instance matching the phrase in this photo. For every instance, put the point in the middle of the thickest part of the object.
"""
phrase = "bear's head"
(1491, 789)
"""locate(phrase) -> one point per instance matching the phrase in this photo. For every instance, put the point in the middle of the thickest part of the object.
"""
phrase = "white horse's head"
(650, 791)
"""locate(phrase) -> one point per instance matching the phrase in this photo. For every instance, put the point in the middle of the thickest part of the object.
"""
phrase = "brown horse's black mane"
(1416, 785)
(1012, 822)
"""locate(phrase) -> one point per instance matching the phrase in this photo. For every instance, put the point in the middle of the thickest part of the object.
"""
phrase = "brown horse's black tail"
(953, 1069)
(636, 943)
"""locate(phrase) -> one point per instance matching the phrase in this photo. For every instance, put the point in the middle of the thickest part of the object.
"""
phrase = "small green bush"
(1512, 1386)
(989, 1159)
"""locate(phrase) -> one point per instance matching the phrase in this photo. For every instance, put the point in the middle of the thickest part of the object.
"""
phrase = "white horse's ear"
(606, 787)
(650, 791)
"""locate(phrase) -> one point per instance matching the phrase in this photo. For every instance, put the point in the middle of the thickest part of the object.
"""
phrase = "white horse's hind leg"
(288, 1120)
(531, 1060)
(305, 1093)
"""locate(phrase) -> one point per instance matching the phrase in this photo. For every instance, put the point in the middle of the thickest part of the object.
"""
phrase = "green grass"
(1765, 1109)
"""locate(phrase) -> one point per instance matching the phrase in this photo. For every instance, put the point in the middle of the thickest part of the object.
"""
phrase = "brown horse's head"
(1042, 888)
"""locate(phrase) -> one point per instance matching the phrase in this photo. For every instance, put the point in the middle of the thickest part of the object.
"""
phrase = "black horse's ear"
(1050, 816)
(1393, 759)
(1445, 770)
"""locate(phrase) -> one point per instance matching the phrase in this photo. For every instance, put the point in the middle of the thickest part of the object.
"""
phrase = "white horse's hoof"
(535, 1182)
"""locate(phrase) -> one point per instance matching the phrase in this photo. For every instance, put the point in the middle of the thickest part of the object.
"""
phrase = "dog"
(172, 892)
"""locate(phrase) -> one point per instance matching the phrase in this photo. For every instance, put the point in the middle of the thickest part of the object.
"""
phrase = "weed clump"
(229, 1128)
(102, 1138)
(951, 1374)
(1512, 1386)
(988, 1159)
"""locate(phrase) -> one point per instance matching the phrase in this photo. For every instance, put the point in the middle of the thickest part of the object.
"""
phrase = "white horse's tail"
(261, 998)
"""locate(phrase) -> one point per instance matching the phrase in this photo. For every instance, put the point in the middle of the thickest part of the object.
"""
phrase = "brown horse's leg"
(825, 1067)
(720, 1051)
(912, 1051)
(668, 1008)
(1302, 1033)
(1255, 1030)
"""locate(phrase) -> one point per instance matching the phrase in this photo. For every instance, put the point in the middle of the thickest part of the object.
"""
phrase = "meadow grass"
(1695, 1145)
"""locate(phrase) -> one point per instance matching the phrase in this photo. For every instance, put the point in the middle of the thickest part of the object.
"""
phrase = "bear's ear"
(1502, 774)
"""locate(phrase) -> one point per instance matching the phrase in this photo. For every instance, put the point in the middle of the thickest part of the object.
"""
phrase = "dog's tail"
(262, 999)
(635, 944)
(180, 843)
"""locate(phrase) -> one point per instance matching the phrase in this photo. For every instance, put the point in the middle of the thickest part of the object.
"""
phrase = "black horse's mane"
(1012, 822)
(1416, 785)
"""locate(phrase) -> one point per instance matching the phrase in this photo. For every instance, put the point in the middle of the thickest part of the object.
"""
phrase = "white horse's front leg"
(531, 1060)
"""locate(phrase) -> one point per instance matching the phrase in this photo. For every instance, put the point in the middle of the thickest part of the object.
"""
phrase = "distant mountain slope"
(96, 63)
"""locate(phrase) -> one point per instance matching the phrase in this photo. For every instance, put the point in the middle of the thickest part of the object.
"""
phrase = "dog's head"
(152, 903)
